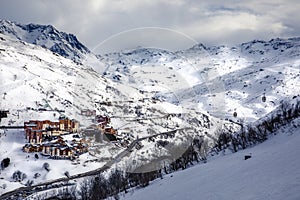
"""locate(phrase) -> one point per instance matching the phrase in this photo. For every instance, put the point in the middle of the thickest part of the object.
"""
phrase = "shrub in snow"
(5, 162)
(67, 174)
(19, 176)
(36, 175)
(162, 143)
(247, 157)
(29, 183)
(46, 166)
(235, 114)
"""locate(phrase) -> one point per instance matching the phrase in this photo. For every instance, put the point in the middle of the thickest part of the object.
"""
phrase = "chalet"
(109, 130)
(101, 131)
(109, 133)
(36, 131)
(88, 113)
(90, 131)
(69, 125)
(58, 152)
(46, 149)
(66, 152)
(59, 149)
(29, 148)
(79, 148)
(48, 138)
(101, 119)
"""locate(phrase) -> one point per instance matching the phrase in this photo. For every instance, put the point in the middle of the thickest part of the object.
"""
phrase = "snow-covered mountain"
(41, 79)
(64, 44)
(221, 80)
(37, 84)
(144, 91)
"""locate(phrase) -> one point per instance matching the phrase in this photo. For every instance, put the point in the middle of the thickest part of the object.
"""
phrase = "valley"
(158, 102)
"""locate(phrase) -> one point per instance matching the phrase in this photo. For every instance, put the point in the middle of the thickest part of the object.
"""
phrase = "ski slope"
(273, 173)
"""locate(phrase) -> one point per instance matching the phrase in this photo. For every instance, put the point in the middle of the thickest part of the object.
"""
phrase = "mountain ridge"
(47, 36)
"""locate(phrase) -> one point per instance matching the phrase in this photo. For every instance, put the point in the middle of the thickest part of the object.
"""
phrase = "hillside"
(33, 77)
(46, 36)
(38, 84)
(271, 173)
(219, 80)
(158, 100)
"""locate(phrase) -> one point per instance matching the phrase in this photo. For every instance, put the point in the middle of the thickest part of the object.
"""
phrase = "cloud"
(209, 22)
(223, 27)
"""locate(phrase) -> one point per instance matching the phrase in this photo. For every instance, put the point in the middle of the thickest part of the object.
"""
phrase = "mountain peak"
(198, 46)
(47, 36)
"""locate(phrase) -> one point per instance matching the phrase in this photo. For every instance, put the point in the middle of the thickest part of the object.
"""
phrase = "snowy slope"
(273, 172)
(34, 78)
(220, 80)
(46, 36)
(144, 91)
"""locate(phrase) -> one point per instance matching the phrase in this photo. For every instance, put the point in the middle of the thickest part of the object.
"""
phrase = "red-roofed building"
(36, 130)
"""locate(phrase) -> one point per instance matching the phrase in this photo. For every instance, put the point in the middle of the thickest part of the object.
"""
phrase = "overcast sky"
(108, 25)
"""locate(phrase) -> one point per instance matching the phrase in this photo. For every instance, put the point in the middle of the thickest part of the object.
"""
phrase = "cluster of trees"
(195, 152)
(100, 187)
(187, 159)
(67, 192)
(19, 176)
(258, 132)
